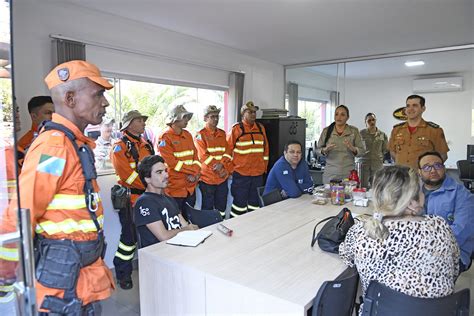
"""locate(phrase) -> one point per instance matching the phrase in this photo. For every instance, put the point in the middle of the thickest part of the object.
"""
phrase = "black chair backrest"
(465, 169)
(202, 218)
(337, 297)
(271, 197)
(382, 300)
(260, 194)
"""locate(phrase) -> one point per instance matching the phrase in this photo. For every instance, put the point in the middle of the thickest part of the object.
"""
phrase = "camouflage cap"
(129, 117)
(248, 106)
(177, 114)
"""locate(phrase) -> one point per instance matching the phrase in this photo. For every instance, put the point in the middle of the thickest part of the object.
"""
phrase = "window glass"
(315, 114)
(154, 100)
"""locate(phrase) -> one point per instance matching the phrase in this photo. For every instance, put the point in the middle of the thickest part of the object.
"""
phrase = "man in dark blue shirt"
(157, 216)
(290, 174)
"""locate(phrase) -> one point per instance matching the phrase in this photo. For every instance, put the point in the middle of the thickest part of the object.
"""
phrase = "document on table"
(189, 238)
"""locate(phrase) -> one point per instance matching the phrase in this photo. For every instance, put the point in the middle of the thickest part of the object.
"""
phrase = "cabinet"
(280, 131)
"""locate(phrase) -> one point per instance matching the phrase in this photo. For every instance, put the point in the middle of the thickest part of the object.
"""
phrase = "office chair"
(382, 300)
(337, 297)
(271, 197)
(202, 218)
(466, 173)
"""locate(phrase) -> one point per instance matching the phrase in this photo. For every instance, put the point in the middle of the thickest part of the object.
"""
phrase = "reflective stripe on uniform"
(208, 160)
(197, 163)
(180, 154)
(133, 165)
(124, 257)
(265, 157)
(69, 201)
(9, 254)
(247, 143)
(126, 248)
(237, 208)
(215, 149)
(248, 151)
(179, 165)
(228, 156)
(69, 226)
(132, 177)
(8, 298)
(251, 207)
(6, 288)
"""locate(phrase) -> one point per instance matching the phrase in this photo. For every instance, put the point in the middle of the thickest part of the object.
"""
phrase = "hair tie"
(378, 216)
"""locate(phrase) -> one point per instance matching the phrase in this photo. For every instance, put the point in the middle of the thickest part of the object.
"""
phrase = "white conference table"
(266, 267)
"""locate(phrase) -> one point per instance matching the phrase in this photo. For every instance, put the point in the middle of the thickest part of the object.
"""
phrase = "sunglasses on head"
(436, 166)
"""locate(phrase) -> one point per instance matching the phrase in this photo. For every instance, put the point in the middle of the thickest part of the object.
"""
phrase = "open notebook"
(189, 238)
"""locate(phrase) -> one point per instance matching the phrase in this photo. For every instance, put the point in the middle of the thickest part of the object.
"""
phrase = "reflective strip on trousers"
(69, 226)
(132, 177)
(69, 201)
(126, 248)
(252, 207)
(124, 257)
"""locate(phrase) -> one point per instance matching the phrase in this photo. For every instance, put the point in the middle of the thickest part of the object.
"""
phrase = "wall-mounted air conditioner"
(446, 84)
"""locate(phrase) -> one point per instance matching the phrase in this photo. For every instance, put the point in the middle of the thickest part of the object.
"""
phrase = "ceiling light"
(414, 63)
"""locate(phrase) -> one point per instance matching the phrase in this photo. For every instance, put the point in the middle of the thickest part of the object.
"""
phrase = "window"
(315, 113)
(156, 100)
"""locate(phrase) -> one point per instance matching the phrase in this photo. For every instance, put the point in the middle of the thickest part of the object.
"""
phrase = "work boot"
(126, 283)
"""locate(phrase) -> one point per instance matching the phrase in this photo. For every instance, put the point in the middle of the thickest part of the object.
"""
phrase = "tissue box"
(361, 202)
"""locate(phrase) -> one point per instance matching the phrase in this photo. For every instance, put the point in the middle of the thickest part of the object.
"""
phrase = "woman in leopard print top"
(416, 255)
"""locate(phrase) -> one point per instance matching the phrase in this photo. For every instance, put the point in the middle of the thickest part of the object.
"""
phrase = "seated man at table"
(450, 200)
(157, 216)
(290, 174)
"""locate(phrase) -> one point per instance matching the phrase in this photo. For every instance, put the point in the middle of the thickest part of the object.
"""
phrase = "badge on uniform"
(162, 143)
(52, 165)
(285, 171)
(117, 148)
(300, 181)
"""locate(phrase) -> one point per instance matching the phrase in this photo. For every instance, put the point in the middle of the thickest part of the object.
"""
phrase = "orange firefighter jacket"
(26, 140)
(180, 155)
(51, 186)
(250, 151)
(212, 148)
(124, 164)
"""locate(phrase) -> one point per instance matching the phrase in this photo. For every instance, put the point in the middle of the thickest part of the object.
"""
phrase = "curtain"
(236, 95)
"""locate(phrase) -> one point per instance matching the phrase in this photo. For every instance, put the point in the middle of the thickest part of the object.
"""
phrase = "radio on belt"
(225, 230)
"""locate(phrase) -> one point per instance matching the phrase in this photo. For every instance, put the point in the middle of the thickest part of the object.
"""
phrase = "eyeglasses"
(436, 166)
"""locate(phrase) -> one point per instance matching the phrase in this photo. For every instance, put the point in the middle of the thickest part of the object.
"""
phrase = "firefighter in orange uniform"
(216, 162)
(249, 145)
(125, 155)
(176, 146)
(58, 184)
(41, 108)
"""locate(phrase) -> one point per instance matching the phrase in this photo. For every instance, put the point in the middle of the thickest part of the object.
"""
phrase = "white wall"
(34, 21)
(451, 110)
(311, 85)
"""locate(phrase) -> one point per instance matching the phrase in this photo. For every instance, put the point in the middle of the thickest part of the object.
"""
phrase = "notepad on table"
(189, 238)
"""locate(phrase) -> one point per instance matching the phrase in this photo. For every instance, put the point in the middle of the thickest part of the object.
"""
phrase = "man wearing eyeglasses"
(450, 200)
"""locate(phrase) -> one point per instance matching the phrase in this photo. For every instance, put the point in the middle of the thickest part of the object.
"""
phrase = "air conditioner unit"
(446, 84)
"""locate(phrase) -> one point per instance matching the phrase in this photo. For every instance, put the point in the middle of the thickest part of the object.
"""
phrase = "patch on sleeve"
(162, 143)
(117, 148)
(285, 171)
(52, 165)
(198, 136)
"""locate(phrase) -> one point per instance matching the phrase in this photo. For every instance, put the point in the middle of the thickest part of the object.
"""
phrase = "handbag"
(120, 197)
(334, 231)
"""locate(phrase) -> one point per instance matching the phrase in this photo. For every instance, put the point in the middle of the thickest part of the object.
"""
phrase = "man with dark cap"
(249, 145)
(125, 156)
(216, 162)
(58, 184)
(176, 146)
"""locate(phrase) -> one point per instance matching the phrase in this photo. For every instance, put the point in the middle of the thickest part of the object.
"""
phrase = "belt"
(89, 251)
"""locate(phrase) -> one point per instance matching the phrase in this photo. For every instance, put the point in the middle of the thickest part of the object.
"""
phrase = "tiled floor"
(123, 302)
(127, 302)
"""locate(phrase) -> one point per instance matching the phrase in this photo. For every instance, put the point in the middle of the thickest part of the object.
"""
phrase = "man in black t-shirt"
(157, 216)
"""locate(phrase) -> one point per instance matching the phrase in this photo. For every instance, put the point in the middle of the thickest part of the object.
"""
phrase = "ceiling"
(436, 64)
(298, 31)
